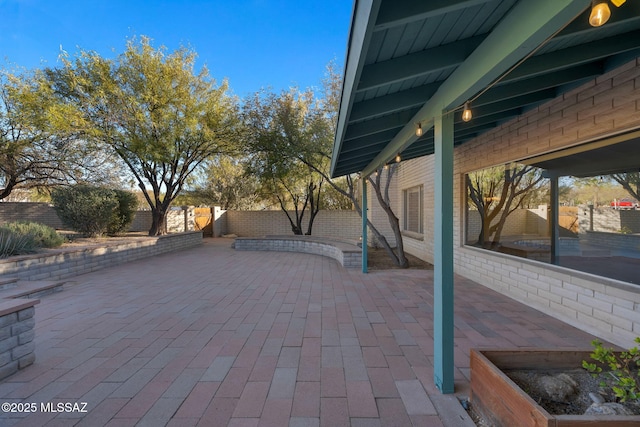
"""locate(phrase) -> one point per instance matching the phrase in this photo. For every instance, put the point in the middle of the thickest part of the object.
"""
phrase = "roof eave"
(363, 19)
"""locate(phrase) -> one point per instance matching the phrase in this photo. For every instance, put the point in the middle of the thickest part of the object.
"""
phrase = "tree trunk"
(398, 256)
(158, 222)
(314, 206)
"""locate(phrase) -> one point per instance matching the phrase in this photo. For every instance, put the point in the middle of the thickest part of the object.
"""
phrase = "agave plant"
(12, 243)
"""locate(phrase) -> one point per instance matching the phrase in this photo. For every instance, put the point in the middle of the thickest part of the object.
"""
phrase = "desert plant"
(123, 215)
(43, 235)
(626, 230)
(14, 243)
(87, 210)
(623, 369)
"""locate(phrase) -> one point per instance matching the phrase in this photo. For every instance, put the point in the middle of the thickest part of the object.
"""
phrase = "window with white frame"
(413, 209)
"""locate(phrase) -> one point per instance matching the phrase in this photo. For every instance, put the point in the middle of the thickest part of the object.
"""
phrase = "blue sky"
(253, 43)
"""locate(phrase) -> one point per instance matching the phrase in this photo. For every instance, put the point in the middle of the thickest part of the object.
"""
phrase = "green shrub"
(85, 209)
(124, 213)
(623, 374)
(43, 235)
(15, 243)
(95, 211)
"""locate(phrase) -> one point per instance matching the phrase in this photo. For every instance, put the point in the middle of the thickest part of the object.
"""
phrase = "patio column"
(443, 254)
(365, 210)
(553, 218)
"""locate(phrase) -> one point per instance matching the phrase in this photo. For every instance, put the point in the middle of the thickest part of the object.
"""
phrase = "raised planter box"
(62, 263)
(497, 398)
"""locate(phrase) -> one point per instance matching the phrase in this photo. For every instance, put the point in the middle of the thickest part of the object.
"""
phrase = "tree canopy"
(278, 130)
(39, 147)
(161, 116)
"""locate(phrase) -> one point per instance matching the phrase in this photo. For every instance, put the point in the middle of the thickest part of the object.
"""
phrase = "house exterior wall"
(607, 105)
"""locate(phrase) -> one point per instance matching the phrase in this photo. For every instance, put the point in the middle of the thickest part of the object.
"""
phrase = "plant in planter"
(622, 375)
(502, 401)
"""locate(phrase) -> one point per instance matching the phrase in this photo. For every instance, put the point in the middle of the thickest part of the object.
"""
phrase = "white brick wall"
(607, 308)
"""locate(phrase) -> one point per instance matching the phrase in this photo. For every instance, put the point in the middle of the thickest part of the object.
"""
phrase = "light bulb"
(600, 13)
(398, 158)
(419, 130)
(466, 113)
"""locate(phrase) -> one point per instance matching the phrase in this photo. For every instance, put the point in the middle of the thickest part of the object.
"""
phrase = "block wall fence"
(607, 105)
(343, 224)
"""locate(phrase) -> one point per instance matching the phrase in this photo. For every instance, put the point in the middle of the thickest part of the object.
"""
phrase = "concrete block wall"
(607, 105)
(609, 220)
(347, 254)
(619, 242)
(344, 224)
(17, 346)
(69, 262)
(142, 221)
(43, 213)
(519, 222)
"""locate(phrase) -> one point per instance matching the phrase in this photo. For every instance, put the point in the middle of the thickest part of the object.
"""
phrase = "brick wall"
(609, 104)
(17, 347)
(63, 263)
(345, 224)
(44, 213)
(347, 253)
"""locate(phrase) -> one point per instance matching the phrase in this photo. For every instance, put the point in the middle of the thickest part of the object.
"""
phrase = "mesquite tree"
(161, 116)
(497, 192)
(39, 147)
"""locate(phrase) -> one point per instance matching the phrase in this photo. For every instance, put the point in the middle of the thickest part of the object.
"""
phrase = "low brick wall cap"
(14, 305)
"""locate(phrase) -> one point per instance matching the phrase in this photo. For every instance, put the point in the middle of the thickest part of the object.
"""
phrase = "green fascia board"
(363, 19)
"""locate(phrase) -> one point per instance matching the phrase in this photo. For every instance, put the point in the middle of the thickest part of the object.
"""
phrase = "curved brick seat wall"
(348, 254)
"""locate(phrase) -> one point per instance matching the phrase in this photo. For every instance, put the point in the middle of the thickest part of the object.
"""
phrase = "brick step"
(8, 283)
(32, 289)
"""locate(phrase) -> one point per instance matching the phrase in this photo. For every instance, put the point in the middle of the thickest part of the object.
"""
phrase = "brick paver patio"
(214, 337)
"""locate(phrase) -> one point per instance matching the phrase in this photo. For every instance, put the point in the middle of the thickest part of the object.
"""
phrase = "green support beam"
(443, 254)
(365, 210)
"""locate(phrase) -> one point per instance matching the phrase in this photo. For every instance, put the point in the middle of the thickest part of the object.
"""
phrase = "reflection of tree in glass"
(498, 191)
(630, 182)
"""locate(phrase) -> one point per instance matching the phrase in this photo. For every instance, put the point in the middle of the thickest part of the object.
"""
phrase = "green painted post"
(443, 254)
(553, 218)
(364, 225)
